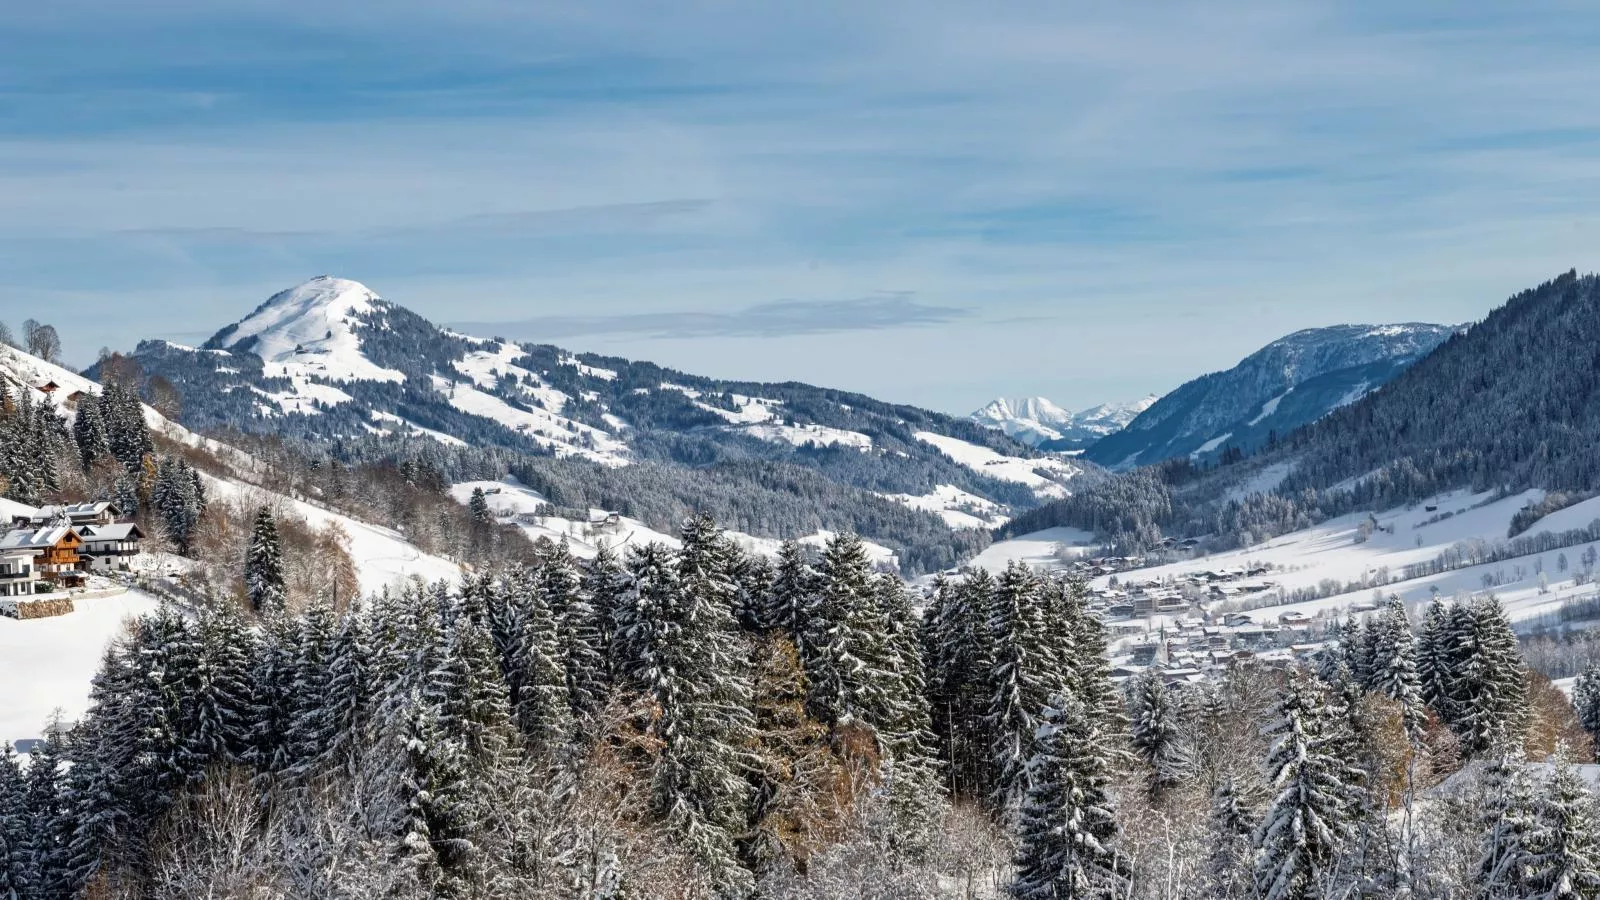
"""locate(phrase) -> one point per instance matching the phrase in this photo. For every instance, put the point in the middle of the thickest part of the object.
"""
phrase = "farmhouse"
(109, 548)
(54, 549)
(102, 512)
(17, 573)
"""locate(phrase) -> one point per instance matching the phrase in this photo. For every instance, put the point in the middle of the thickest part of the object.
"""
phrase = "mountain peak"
(310, 328)
(1042, 423)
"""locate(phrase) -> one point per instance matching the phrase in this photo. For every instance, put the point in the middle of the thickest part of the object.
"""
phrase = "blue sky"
(931, 202)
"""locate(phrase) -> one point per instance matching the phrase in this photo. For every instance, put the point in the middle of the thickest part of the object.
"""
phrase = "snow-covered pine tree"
(349, 683)
(264, 582)
(224, 694)
(1309, 822)
(790, 597)
(311, 725)
(1487, 686)
(1434, 656)
(1228, 831)
(89, 432)
(843, 675)
(695, 666)
(1509, 830)
(1158, 734)
(14, 840)
(478, 508)
(956, 644)
(1066, 826)
(1586, 701)
(536, 671)
(907, 733)
(583, 632)
(1023, 680)
(272, 695)
(1565, 860)
(1394, 664)
(604, 585)
(50, 822)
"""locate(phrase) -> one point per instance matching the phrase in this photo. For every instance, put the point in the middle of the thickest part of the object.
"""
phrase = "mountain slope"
(332, 364)
(1042, 424)
(1288, 383)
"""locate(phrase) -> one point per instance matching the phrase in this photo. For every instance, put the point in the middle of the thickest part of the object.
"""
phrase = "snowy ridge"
(1045, 476)
(1036, 421)
(309, 330)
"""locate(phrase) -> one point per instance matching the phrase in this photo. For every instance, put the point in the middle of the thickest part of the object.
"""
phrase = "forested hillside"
(1511, 403)
(346, 375)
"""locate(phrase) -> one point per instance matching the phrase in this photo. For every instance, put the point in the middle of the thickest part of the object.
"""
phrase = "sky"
(931, 202)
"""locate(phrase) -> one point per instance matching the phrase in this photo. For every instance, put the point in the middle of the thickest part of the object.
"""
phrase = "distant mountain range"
(1290, 382)
(332, 364)
(1042, 424)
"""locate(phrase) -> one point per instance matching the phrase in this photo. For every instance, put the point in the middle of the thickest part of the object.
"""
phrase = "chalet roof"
(122, 531)
(35, 538)
(76, 510)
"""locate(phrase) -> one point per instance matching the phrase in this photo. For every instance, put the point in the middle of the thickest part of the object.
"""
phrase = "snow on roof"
(34, 538)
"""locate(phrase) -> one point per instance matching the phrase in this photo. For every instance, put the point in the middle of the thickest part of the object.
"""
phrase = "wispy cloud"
(787, 318)
(1198, 177)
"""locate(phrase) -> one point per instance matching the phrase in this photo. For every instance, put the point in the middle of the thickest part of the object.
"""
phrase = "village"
(1193, 627)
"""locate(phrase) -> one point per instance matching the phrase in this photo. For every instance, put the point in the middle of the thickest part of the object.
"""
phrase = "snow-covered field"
(958, 508)
(515, 503)
(1041, 549)
(50, 662)
(1006, 468)
(1331, 551)
(382, 556)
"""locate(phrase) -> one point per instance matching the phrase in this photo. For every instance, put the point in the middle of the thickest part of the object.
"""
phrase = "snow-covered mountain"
(1040, 423)
(332, 363)
(1291, 382)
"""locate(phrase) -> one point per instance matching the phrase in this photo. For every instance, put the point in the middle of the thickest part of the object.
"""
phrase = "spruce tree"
(1394, 664)
(1586, 701)
(14, 825)
(264, 582)
(478, 508)
(1488, 692)
(1229, 829)
(790, 598)
(1066, 827)
(960, 654)
(1509, 830)
(1308, 824)
(1434, 655)
(1023, 679)
(1157, 732)
(1565, 862)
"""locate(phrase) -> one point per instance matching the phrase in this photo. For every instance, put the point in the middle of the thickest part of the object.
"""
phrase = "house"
(55, 552)
(18, 575)
(109, 548)
(102, 512)
(1235, 620)
(49, 387)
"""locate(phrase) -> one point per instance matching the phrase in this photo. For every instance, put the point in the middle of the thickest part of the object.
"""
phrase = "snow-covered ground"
(50, 662)
(539, 424)
(307, 331)
(808, 435)
(382, 556)
(1046, 549)
(958, 508)
(1331, 552)
(517, 504)
(1006, 468)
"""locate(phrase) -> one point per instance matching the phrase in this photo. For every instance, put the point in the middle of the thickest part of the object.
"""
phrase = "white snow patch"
(1210, 445)
(958, 508)
(1006, 468)
(309, 330)
(809, 435)
(1270, 407)
(1040, 549)
(53, 660)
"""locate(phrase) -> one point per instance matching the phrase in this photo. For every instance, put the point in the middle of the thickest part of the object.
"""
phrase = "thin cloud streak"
(783, 318)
